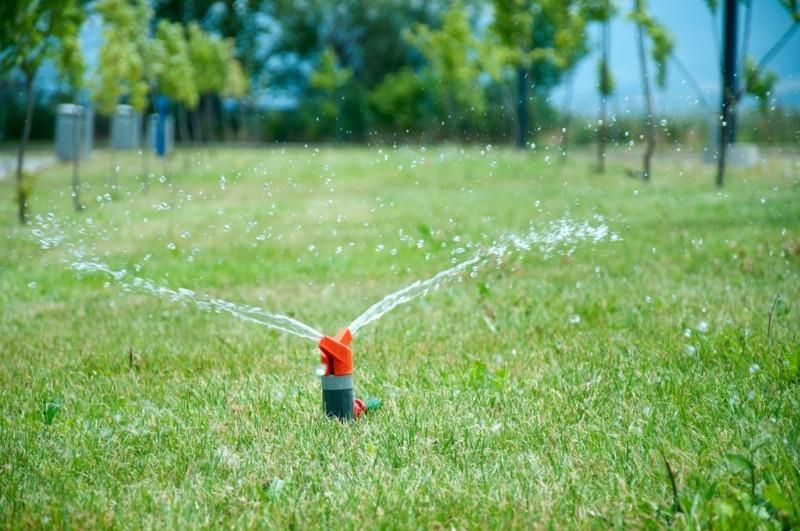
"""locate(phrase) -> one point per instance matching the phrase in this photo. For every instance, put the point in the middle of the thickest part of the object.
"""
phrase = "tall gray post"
(126, 128)
(74, 128)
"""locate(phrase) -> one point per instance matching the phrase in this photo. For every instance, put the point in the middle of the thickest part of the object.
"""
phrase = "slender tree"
(605, 86)
(123, 63)
(236, 84)
(660, 48)
(175, 77)
(209, 55)
(328, 79)
(72, 65)
(538, 40)
(453, 66)
(32, 32)
(601, 12)
(570, 49)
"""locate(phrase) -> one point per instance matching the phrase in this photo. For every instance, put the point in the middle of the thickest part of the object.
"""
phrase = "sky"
(690, 24)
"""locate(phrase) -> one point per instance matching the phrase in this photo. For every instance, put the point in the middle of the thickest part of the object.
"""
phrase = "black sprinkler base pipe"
(338, 397)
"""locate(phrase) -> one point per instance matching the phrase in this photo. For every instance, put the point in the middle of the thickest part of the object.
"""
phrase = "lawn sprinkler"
(338, 397)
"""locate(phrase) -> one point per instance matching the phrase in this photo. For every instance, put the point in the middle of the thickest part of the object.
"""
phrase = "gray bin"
(169, 133)
(74, 131)
(126, 128)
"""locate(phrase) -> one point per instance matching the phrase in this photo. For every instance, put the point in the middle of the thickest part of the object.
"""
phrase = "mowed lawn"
(569, 390)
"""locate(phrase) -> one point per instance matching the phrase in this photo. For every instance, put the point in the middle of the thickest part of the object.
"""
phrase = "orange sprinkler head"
(336, 354)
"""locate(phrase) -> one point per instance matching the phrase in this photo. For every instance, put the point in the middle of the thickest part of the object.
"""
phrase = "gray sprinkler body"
(338, 397)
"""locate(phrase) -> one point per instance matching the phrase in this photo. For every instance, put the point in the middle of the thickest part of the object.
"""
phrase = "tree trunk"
(76, 147)
(602, 130)
(650, 124)
(242, 130)
(208, 104)
(22, 193)
(564, 140)
(522, 107)
(197, 134)
(227, 130)
(183, 125)
(727, 131)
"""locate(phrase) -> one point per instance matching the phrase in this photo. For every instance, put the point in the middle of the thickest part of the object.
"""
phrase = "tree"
(176, 77)
(660, 48)
(209, 55)
(532, 34)
(397, 99)
(602, 11)
(32, 32)
(237, 84)
(328, 78)
(121, 71)
(571, 48)
(123, 62)
(71, 64)
(453, 66)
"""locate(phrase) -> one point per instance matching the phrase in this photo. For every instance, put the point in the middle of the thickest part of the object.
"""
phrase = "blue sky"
(690, 24)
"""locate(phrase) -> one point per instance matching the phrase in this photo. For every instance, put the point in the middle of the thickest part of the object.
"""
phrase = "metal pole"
(729, 70)
(727, 128)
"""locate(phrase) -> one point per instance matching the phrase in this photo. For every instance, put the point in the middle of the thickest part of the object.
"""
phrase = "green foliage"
(793, 7)
(452, 55)
(236, 82)
(210, 56)
(712, 5)
(662, 44)
(121, 69)
(569, 40)
(33, 31)
(398, 98)
(25, 186)
(327, 81)
(598, 10)
(758, 84)
(513, 26)
(605, 84)
(328, 77)
(50, 409)
(177, 79)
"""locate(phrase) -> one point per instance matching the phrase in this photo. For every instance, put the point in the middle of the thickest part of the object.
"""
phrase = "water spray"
(336, 373)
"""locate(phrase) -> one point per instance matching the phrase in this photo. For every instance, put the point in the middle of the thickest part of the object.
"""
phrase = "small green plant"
(50, 409)
(26, 186)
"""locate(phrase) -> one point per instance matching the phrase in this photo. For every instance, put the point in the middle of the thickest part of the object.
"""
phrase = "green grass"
(125, 410)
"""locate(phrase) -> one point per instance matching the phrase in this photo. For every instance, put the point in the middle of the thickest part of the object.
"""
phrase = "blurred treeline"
(400, 70)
